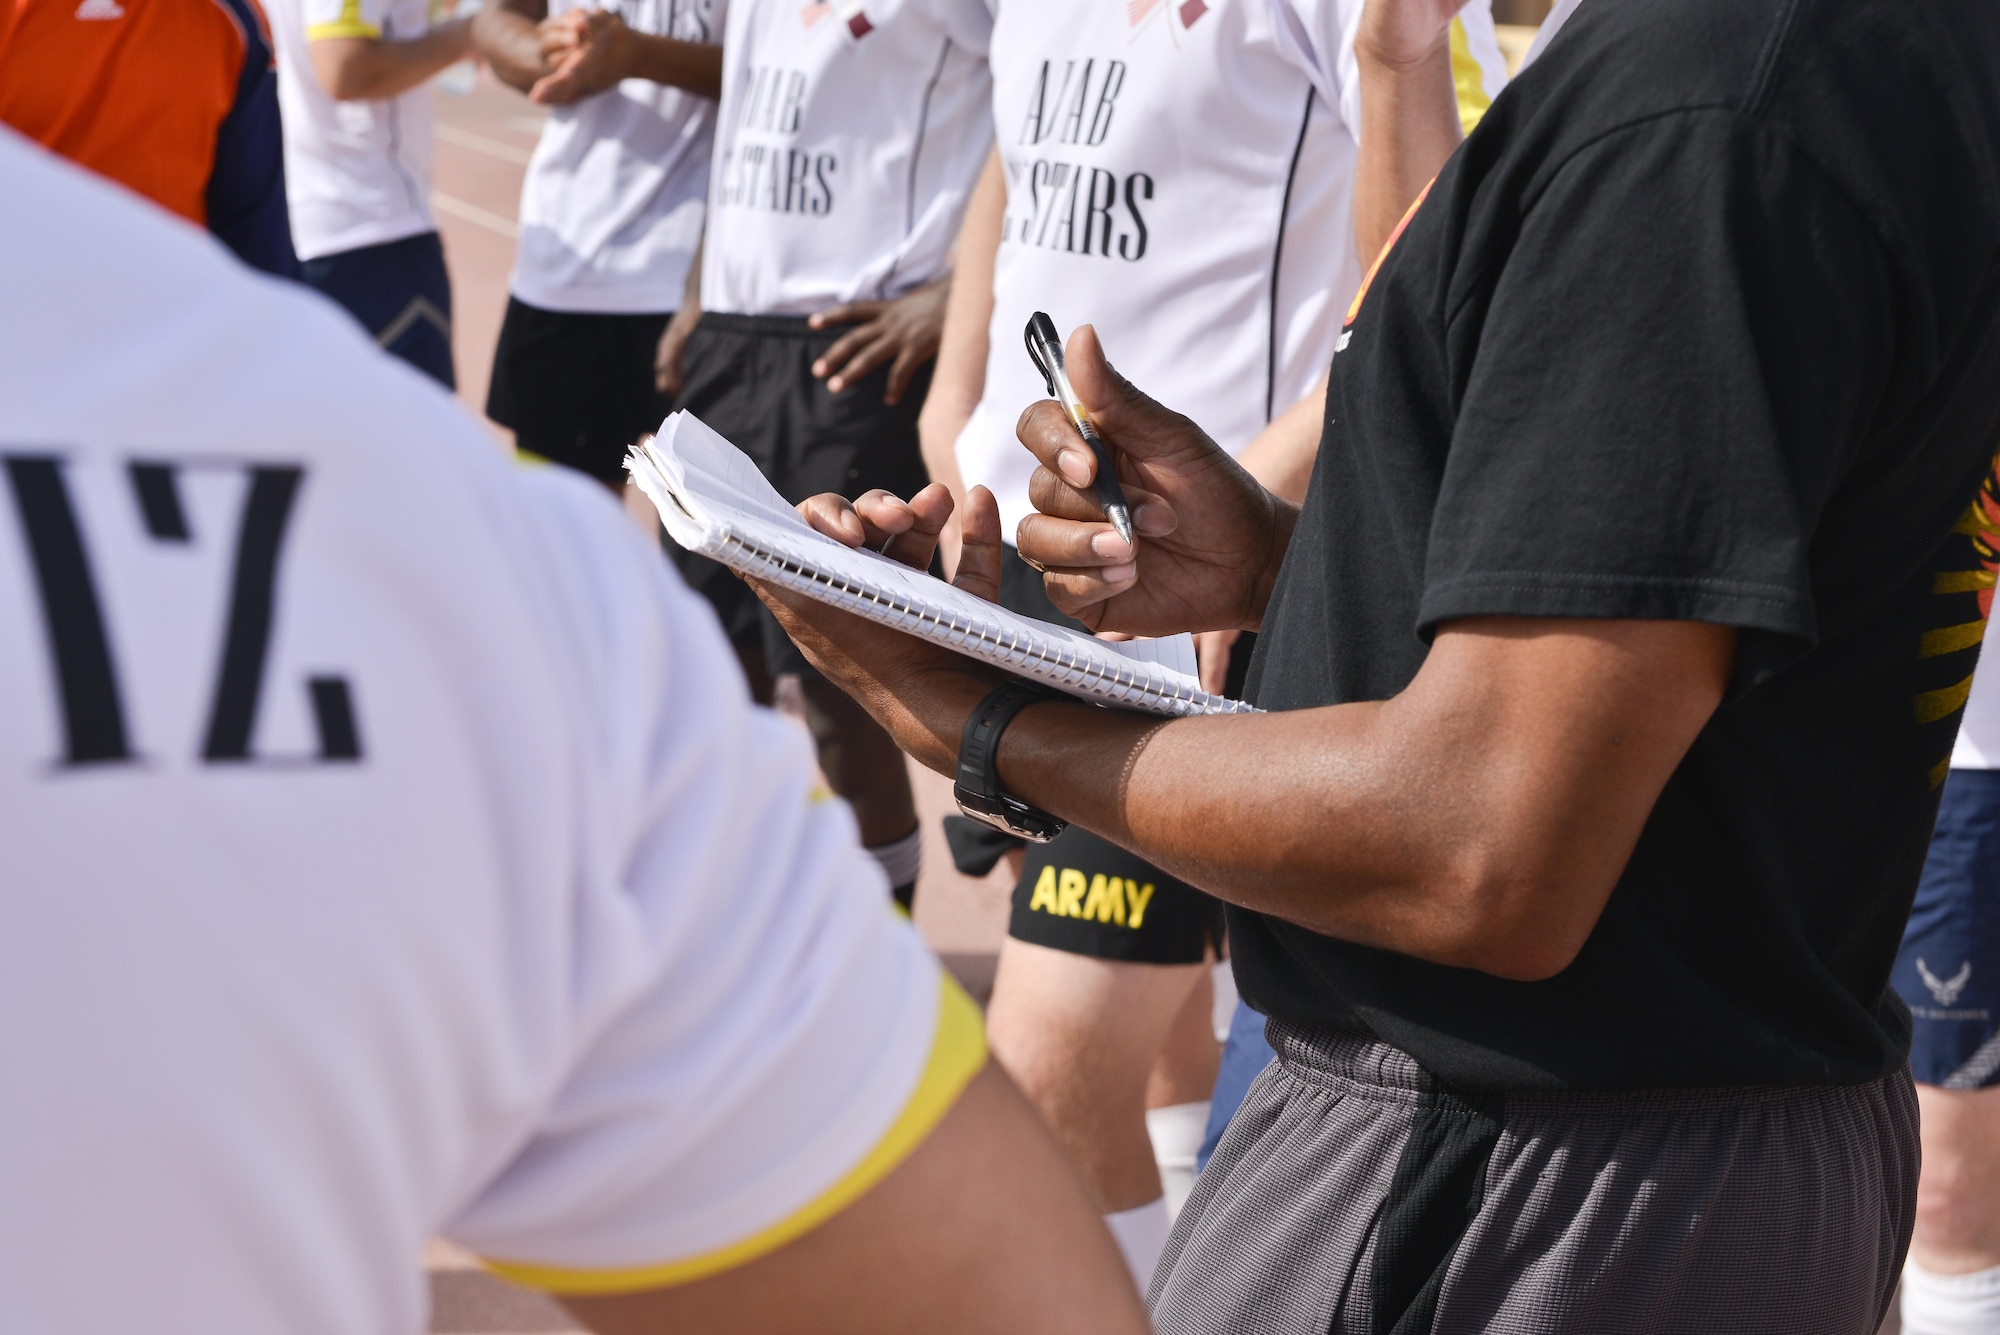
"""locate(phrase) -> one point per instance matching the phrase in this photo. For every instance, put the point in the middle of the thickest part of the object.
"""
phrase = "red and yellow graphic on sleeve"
(1980, 525)
(1368, 279)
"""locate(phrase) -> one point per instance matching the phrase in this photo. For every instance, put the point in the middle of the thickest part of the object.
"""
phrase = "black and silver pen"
(1045, 348)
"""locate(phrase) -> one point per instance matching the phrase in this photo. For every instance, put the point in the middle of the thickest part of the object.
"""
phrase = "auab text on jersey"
(1057, 203)
(774, 174)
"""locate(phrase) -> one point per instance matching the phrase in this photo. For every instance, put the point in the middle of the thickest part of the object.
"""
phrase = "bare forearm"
(695, 67)
(365, 69)
(1409, 127)
(1281, 458)
(959, 376)
(1444, 823)
(1248, 808)
(506, 39)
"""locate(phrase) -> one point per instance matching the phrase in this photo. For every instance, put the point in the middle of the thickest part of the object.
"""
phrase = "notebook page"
(714, 501)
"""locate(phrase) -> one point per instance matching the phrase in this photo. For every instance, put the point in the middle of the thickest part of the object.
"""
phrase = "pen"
(1045, 349)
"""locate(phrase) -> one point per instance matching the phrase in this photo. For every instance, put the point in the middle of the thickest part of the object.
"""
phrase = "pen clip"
(1038, 331)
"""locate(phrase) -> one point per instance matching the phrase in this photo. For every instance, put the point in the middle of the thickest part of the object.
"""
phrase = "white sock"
(1176, 1134)
(902, 859)
(1142, 1235)
(1950, 1304)
(1224, 975)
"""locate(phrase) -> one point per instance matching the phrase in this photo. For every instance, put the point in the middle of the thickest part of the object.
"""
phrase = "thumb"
(980, 553)
(1124, 413)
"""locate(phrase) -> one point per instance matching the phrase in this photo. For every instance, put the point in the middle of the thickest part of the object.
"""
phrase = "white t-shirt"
(392, 848)
(1551, 25)
(849, 139)
(1978, 745)
(356, 173)
(611, 209)
(1179, 174)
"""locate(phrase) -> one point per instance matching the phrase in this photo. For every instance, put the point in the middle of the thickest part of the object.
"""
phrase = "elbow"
(1522, 959)
(349, 89)
(345, 78)
(1516, 925)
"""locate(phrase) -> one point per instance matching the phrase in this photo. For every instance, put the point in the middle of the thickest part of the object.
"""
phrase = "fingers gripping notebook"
(714, 501)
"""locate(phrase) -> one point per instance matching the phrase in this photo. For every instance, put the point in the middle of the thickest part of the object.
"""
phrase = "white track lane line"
(479, 143)
(472, 213)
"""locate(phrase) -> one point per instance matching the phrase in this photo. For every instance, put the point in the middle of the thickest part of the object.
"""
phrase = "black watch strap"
(978, 788)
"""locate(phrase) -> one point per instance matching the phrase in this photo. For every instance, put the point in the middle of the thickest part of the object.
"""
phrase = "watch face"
(1011, 817)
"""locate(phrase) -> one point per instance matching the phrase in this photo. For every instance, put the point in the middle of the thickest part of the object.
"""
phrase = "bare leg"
(860, 762)
(1958, 1188)
(762, 688)
(1081, 1037)
(1179, 1089)
(1952, 1283)
(1189, 1057)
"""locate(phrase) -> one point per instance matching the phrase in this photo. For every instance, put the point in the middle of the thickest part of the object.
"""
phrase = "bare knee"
(1080, 1035)
(1958, 1189)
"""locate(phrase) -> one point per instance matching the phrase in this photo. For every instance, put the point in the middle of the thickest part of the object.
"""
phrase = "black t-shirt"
(1702, 323)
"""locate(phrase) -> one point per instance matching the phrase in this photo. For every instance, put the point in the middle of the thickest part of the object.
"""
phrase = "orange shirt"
(135, 90)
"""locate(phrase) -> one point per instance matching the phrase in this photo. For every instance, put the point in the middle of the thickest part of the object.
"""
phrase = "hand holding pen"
(1045, 349)
(1213, 536)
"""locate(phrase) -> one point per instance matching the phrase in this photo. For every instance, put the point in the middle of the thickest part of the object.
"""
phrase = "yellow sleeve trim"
(320, 32)
(1468, 80)
(957, 1053)
(351, 24)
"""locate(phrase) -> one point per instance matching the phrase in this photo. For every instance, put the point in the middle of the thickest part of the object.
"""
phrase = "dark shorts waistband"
(1353, 1061)
(765, 326)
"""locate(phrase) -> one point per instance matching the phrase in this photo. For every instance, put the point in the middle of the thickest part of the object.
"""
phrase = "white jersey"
(850, 136)
(1553, 24)
(356, 173)
(611, 210)
(1978, 745)
(392, 847)
(1179, 174)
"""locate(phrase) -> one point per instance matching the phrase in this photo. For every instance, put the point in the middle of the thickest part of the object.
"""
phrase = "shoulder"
(130, 329)
(1847, 86)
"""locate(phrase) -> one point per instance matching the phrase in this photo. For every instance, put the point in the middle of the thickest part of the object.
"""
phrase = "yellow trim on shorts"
(957, 1053)
(1468, 78)
(349, 24)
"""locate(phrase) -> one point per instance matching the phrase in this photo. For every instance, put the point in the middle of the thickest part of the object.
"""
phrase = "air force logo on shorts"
(1949, 969)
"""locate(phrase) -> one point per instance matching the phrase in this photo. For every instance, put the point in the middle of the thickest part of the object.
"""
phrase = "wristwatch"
(978, 789)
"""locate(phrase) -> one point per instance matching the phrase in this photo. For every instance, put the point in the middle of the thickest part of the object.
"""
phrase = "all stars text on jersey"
(1059, 204)
(1075, 106)
(1079, 209)
(775, 177)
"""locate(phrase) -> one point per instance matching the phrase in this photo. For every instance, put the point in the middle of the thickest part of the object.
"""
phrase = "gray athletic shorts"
(1739, 1210)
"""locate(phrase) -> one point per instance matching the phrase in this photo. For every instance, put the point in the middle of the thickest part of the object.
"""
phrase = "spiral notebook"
(714, 501)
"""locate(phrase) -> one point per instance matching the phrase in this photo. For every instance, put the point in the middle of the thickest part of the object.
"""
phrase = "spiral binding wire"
(1125, 680)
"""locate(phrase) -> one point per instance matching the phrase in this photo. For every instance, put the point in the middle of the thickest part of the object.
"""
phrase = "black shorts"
(577, 388)
(1086, 895)
(749, 377)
